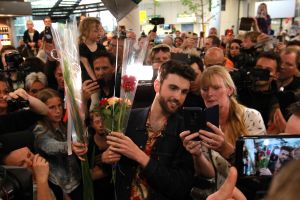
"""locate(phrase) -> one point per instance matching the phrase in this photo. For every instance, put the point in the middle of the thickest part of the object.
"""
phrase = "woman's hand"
(79, 149)
(110, 157)
(194, 147)
(216, 140)
(123, 145)
(279, 120)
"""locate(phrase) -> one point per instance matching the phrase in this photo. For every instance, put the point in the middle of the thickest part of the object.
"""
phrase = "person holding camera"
(22, 119)
(260, 92)
(45, 42)
(218, 145)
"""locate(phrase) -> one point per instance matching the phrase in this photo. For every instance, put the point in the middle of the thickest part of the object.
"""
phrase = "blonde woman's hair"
(85, 27)
(235, 125)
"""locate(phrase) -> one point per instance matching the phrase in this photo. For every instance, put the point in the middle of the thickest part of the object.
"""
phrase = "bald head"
(214, 56)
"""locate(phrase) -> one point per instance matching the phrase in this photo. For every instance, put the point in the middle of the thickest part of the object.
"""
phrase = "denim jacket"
(64, 169)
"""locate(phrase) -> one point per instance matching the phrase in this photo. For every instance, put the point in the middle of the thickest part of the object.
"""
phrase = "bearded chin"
(164, 106)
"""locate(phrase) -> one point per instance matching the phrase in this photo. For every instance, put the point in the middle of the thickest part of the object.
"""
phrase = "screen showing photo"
(266, 156)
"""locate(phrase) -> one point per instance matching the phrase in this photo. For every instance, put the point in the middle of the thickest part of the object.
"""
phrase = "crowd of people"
(254, 85)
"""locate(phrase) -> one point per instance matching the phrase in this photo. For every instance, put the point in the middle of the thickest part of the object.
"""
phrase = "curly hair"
(85, 27)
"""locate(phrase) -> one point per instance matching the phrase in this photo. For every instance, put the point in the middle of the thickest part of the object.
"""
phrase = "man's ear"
(156, 85)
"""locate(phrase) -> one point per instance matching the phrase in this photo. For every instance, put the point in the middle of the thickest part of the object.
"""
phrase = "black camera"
(13, 60)
(48, 34)
(157, 20)
(244, 78)
(15, 183)
(17, 104)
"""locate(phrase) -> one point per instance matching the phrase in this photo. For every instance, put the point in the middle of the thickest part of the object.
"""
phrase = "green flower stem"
(122, 114)
(88, 189)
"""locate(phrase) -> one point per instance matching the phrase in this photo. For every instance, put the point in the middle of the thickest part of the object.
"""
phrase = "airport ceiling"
(62, 9)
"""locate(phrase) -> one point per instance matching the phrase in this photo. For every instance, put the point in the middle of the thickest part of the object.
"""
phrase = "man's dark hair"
(110, 56)
(216, 42)
(176, 67)
(290, 50)
(286, 148)
(293, 43)
(198, 61)
(270, 55)
(47, 17)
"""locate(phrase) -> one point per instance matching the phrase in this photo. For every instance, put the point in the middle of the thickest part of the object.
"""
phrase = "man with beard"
(154, 163)
(284, 156)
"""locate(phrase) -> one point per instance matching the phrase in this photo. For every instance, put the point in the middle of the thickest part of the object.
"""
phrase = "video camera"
(15, 183)
(13, 60)
(246, 78)
(48, 34)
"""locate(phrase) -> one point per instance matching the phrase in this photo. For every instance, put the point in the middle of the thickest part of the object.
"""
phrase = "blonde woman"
(235, 120)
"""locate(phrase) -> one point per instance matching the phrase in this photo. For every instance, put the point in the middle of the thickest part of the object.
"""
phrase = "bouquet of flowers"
(65, 39)
(115, 111)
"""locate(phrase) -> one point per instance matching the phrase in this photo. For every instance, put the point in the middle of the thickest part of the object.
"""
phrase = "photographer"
(45, 41)
(258, 90)
(247, 57)
(23, 119)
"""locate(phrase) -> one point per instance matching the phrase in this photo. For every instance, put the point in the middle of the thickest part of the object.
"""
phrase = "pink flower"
(128, 83)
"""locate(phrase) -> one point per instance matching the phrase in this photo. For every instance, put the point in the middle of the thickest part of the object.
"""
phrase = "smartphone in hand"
(195, 118)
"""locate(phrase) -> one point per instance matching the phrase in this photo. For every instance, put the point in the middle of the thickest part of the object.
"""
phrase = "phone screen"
(266, 155)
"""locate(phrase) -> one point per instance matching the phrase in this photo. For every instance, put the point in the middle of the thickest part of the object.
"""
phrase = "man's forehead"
(176, 79)
(101, 61)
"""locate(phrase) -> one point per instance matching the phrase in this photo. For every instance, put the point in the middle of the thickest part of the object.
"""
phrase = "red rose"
(128, 83)
(103, 102)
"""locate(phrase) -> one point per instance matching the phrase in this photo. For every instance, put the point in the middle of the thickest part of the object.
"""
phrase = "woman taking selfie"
(218, 146)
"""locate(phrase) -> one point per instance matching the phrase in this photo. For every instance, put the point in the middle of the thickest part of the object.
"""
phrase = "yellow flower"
(113, 100)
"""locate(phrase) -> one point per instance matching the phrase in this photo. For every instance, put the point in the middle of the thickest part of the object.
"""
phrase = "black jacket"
(170, 170)
(26, 37)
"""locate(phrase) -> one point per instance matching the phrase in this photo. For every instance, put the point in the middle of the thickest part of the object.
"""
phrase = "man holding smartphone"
(154, 163)
(104, 86)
